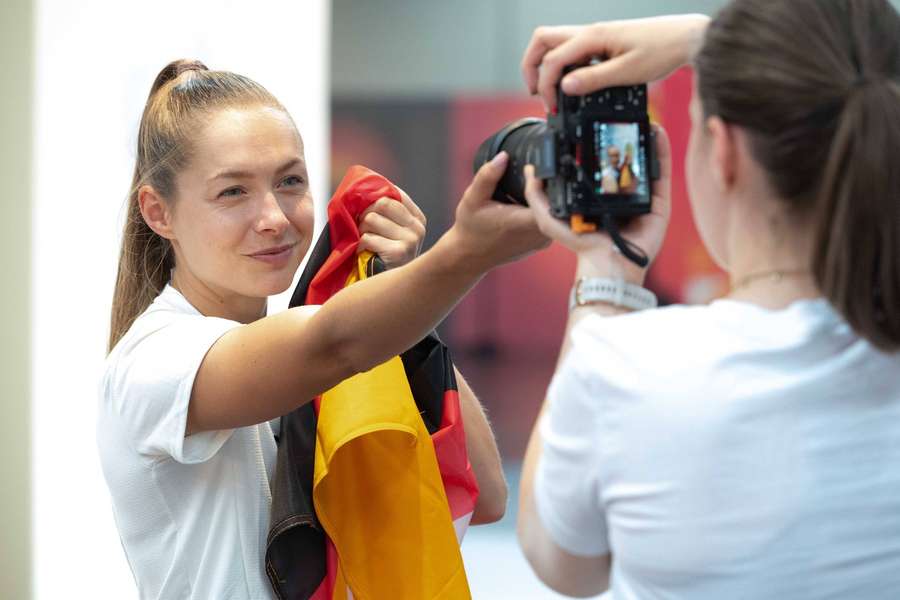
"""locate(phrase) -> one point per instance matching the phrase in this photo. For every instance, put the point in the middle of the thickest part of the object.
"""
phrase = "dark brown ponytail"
(858, 264)
(182, 96)
(816, 83)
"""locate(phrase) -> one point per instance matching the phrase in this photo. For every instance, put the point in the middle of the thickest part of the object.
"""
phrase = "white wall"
(15, 266)
(95, 62)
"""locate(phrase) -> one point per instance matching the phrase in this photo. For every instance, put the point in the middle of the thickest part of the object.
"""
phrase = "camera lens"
(521, 140)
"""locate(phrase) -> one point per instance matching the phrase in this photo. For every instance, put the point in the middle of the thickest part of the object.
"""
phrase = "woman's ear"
(724, 153)
(156, 212)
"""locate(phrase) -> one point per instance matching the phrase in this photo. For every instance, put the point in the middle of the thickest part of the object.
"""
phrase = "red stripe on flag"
(450, 448)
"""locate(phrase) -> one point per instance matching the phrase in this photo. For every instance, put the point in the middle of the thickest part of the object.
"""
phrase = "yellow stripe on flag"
(378, 491)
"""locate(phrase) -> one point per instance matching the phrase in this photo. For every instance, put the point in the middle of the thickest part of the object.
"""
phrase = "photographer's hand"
(597, 256)
(636, 51)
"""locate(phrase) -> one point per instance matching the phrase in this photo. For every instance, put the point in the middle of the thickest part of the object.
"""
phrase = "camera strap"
(628, 249)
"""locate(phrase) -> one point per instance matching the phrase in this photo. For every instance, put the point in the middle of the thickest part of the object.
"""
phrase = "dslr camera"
(596, 154)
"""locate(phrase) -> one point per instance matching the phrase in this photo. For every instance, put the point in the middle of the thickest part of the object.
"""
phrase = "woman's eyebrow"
(244, 174)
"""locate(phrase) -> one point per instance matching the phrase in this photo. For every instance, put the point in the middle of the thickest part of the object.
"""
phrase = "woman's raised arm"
(267, 368)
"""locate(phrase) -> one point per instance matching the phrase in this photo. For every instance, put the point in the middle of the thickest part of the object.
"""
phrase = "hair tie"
(194, 65)
(864, 80)
(860, 83)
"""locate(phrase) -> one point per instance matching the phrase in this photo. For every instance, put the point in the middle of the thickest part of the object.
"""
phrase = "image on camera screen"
(621, 159)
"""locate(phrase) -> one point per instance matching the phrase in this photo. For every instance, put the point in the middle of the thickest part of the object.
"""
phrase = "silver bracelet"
(590, 290)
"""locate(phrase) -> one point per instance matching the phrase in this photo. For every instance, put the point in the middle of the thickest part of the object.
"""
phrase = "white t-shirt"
(192, 512)
(727, 452)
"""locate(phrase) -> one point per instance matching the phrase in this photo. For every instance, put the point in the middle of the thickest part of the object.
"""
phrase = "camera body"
(596, 154)
(599, 157)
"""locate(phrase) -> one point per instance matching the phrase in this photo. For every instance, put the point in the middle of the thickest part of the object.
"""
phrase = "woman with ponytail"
(219, 218)
(749, 448)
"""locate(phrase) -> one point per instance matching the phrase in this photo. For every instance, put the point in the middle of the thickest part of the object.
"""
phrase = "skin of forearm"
(607, 263)
(533, 451)
(695, 35)
(531, 533)
(483, 456)
(589, 264)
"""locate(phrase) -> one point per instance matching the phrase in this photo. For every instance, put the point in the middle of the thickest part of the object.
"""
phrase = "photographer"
(748, 448)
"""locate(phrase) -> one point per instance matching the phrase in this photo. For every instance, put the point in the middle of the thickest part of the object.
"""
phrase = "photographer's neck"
(770, 256)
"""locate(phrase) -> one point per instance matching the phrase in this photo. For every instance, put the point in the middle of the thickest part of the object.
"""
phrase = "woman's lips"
(277, 257)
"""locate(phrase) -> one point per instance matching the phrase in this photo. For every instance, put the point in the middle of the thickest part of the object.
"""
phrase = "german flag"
(373, 490)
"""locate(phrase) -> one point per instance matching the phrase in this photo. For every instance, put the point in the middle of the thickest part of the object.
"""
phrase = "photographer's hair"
(183, 96)
(816, 83)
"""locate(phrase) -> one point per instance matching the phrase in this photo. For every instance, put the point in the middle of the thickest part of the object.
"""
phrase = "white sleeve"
(151, 385)
(566, 485)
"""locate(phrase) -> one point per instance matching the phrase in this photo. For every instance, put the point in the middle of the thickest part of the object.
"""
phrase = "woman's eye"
(292, 180)
(231, 192)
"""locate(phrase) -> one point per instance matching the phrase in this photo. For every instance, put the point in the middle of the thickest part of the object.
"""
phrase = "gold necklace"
(776, 274)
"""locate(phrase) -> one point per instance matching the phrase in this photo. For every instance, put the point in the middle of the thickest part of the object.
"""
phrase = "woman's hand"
(392, 230)
(635, 51)
(489, 233)
(596, 251)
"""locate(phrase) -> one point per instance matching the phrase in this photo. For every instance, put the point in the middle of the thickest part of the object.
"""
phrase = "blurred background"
(408, 88)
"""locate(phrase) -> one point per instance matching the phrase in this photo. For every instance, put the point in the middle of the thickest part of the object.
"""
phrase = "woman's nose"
(271, 216)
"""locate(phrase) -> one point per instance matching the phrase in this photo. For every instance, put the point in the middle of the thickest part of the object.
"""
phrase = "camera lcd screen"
(621, 159)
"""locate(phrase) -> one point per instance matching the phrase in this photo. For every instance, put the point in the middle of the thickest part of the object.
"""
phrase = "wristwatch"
(591, 290)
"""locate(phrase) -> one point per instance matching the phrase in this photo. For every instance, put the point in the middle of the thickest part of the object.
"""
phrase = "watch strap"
(617, 292)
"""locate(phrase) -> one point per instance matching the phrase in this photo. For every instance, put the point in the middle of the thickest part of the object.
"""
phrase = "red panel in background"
(524, 305)
(354, 141)
(683, 271)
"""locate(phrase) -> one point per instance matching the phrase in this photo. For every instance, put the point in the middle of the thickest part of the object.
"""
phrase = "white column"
(16, 62)
(95, 62)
